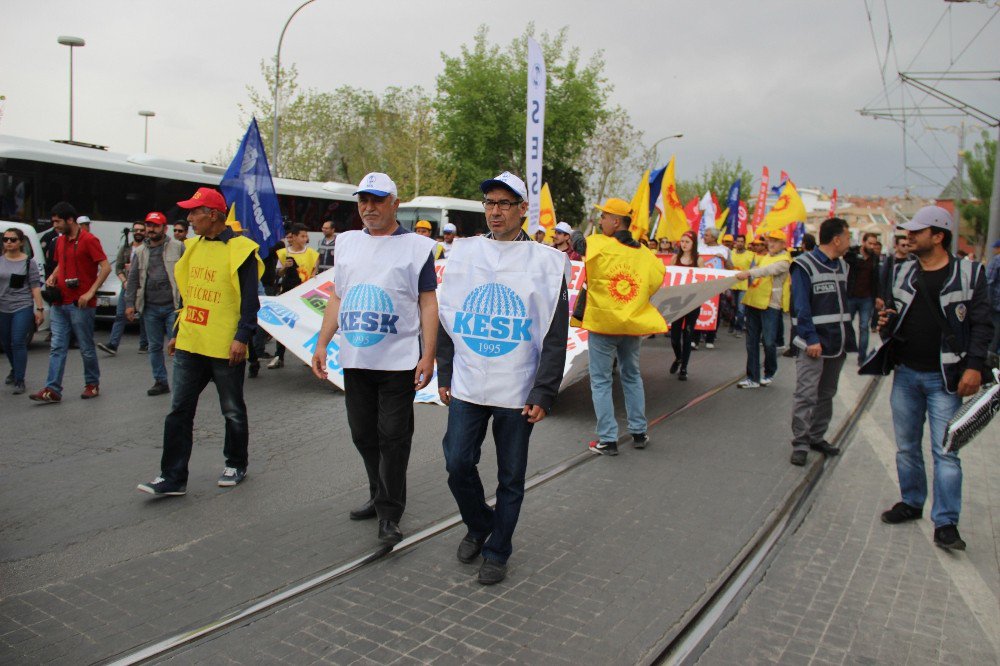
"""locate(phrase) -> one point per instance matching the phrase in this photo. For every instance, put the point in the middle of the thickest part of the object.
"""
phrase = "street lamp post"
(145, 139)
(652, 149)
(70, 41)
(277, 78)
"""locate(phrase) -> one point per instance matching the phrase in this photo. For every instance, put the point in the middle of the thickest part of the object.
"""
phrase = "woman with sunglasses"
(21, 306)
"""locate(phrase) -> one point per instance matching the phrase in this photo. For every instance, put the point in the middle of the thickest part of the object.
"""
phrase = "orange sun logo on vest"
(623, 284)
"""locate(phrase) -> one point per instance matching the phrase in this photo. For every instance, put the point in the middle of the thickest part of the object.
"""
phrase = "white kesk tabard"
(376, 281)
(496, 302)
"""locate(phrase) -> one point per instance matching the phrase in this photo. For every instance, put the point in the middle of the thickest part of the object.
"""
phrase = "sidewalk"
(846, 588)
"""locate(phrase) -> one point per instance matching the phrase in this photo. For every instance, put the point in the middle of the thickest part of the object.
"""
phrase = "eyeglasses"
(180, 231)
(504, 206)
(10, 239)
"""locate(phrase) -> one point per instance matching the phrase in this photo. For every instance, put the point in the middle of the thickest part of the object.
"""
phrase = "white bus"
(117, 189)
(466, 214)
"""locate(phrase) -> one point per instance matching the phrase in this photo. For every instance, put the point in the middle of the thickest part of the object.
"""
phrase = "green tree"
(717, 178)
(481, 114)
(980, 164)
(613, 160)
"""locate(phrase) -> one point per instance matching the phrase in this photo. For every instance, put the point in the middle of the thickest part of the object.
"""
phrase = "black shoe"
(144, 350)
(902, 512)
(254, 370)
(683, 375)
(469, 548)
(604, 448)
(159, 388)
(365, 511)
(10, 378)
(160, 486)
(491, 573)
(799, 458)
(107, 349)
(639, 441)
(18, 388)
(674, 366)
(388, 532)
(947, 537)
(826, 448)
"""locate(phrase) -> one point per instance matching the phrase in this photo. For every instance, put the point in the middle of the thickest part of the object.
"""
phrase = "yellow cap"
(615, 207)
(777, 234)
(423, 224)
(727, 237)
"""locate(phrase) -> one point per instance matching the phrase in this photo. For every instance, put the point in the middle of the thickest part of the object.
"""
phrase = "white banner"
(294, 318)
(535, 130)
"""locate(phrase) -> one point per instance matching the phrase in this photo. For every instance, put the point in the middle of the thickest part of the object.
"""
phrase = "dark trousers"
(192, 372)
(380, 414)
(762, 328)
(681, 333)
(463, 444)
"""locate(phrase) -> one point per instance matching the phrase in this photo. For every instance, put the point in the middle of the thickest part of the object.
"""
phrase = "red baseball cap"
(156, 218)
(206, 196)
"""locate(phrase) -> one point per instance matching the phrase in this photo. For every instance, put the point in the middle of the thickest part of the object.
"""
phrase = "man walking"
(327, 244)
(823, 331)
(217, 279)
(622, 275)
(767, 296)
(862, 288)
(151, 293)
(938, 343)
(126, 253)
(741, 259)
(385, 306)
(501, 354)
(81, 268)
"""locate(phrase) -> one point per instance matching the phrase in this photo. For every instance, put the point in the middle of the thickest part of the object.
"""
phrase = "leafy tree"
(481, 114)
(717, 178)
(980, 165)
(613, 160)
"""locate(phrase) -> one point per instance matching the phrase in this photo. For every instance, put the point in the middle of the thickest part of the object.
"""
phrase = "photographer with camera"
(126, 253)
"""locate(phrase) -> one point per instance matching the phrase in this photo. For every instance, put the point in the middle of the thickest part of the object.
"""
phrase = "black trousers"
(380, 414)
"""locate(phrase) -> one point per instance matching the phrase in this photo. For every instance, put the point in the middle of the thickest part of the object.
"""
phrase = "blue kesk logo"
(277, 314)
(366, 315)
(493, 320)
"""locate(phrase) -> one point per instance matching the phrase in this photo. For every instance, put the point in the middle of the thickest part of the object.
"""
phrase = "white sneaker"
(709, 345)
(275, 363)
(766, 381)
(748, 384)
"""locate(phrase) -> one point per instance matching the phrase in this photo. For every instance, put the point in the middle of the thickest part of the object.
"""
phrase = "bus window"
(468, 223)
(407, 218)
(16, 196)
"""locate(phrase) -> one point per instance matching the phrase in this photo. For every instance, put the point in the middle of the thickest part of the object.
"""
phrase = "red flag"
(741, 218)
(693, 214)
(833, 203)
(758, 211)
(784, 177)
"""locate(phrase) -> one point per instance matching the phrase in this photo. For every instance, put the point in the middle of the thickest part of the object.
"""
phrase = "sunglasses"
(11, 239)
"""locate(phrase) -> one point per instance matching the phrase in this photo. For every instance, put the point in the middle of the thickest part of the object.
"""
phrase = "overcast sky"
(774, 82)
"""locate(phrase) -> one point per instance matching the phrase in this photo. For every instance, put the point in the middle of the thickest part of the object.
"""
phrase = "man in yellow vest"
(742, 258)
(767, 295)
(217, 280)
(622, 275)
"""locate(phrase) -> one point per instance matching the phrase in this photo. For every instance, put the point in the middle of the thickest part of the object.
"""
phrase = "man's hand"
(444, 392)
(84, 299)
(130, 314)
(743, 275)
(319, 362)
(237, 352)
(883, 318)
(879, 303)
(51, 280)
(424, 373)
(533, 412)
(171, 346)
(814, 351)
(970, 382)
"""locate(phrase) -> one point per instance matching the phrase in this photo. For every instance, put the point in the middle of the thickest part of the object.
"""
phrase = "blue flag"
(247, 184)
(733, 204)
(655, 183)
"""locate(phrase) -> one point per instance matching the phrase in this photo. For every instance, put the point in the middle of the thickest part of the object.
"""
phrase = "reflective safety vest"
(827, 305)
(759, 291)
(742, 262)
(620, 282)
(207, 280)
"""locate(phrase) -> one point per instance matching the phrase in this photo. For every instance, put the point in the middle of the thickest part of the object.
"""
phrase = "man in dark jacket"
(940, 328)
(863, 287)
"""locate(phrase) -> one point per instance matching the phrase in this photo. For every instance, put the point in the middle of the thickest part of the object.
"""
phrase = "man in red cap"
(217, 280)
(151, 293)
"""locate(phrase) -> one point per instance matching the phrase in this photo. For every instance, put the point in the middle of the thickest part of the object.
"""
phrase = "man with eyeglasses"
(126, 253)
(501, 356)
(385, 307)
(180, 230)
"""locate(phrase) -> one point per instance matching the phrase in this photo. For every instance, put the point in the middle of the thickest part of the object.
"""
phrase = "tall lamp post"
(652, 149)
(70, 41)
(277, 79)
(145, 139)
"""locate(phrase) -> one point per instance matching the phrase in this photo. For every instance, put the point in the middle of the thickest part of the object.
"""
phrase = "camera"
(72, 283)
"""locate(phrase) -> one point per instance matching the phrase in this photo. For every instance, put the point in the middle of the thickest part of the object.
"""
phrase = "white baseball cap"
(564, 228)
(449, 228)
(378, 184)
(506, 180)
(82, 219)
(930, 216)
(535, 228)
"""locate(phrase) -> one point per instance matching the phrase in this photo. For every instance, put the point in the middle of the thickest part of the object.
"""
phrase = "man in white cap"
(937, 320)
(504, 319)
(448, 231)
(386, 309)
(562, 238)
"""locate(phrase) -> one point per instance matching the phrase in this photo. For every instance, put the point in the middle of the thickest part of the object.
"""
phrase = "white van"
(466, 214)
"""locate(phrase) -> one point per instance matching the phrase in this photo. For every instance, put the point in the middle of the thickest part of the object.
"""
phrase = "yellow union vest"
(759, 292)
(741, 262)
(620, 282)
(210, 289)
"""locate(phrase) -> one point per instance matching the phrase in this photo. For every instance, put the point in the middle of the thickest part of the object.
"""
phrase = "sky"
(774, 83)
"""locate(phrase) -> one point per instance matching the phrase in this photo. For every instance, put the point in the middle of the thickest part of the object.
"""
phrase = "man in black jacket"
(863, 287)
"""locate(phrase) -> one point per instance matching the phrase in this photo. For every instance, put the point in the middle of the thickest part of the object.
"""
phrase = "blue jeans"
(192, 372)
(15, 327)
(65, 320)
(762, 326)
(863, 307)
(463, 444)
(118, 328)
(740, 311)
(914, 395)
(603, 349)
(159, 320)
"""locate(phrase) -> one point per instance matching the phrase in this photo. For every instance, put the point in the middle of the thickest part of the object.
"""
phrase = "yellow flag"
(720, 221)
(673, 221)
(787, 210)
(640, 209)
(547, 214)
(231, 220)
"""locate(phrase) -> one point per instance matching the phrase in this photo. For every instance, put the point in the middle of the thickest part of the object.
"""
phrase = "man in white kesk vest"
(385, 308)
(502, 352)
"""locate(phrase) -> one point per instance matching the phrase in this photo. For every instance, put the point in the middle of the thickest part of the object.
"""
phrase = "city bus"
(466, 214)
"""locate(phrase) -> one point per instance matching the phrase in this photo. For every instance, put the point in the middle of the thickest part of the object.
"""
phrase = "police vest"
(620, 282)
(206, 276)
(759, 291)
(742, 262)
(496, 302)
(828, 306)
(376, 278)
